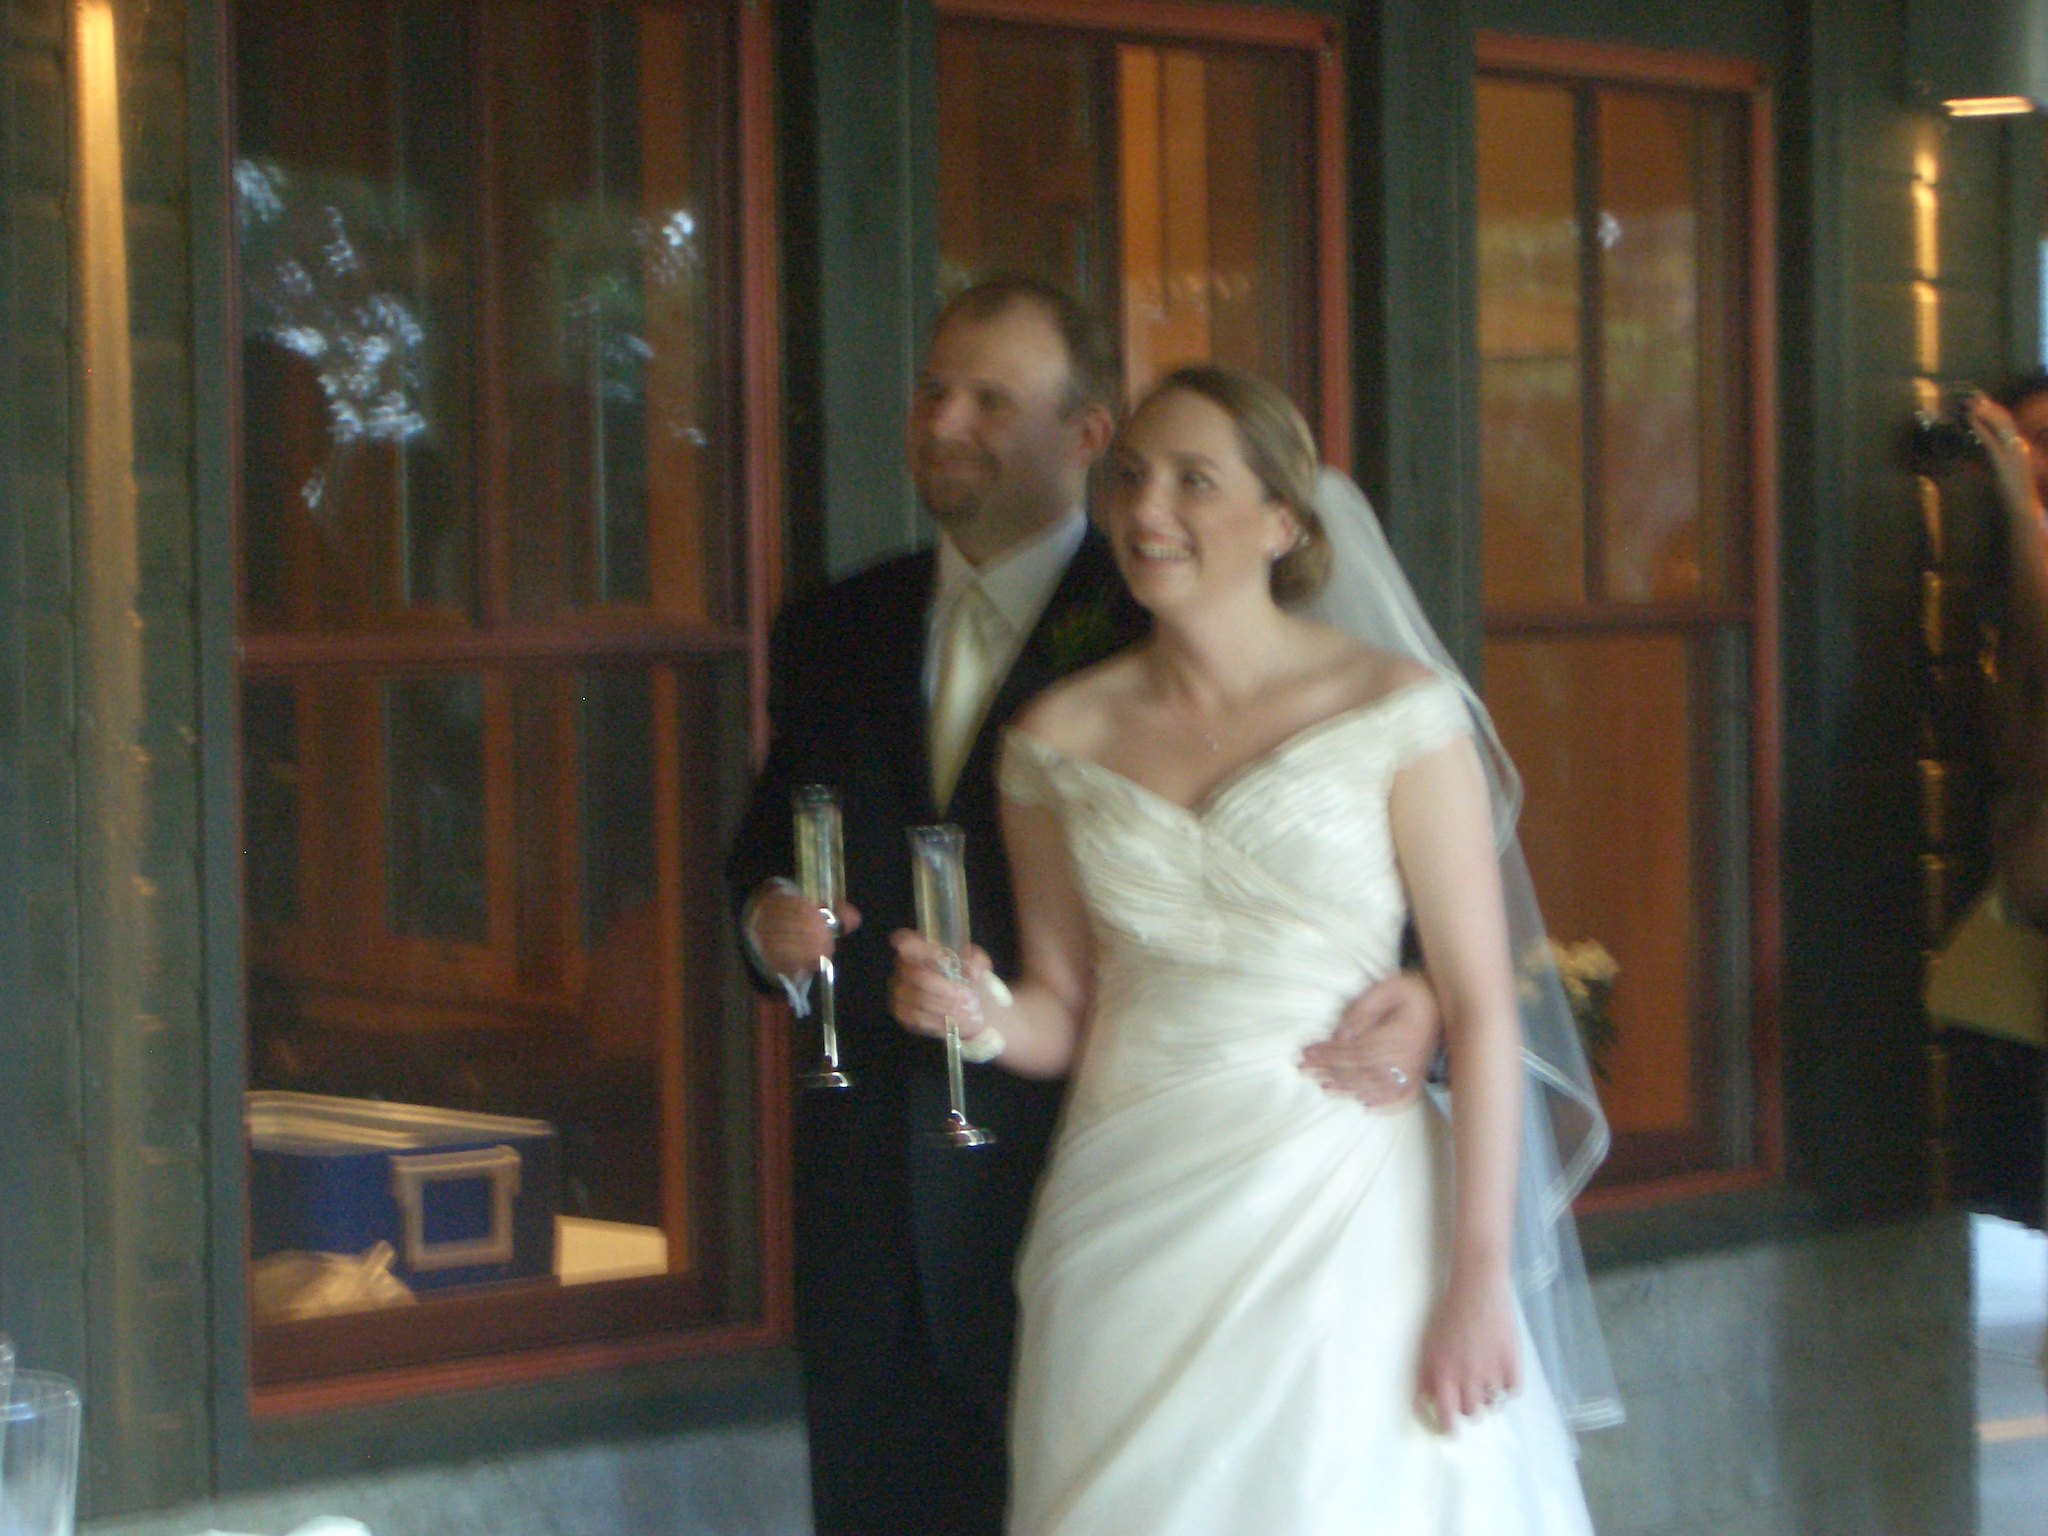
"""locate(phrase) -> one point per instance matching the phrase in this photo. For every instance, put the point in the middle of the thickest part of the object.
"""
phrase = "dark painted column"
(42, 1241)
(1415, 289)
(2026, 222)
(1857, 155)
(862, 295)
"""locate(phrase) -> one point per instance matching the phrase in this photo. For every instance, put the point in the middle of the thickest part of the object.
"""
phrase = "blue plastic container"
(463, 1199)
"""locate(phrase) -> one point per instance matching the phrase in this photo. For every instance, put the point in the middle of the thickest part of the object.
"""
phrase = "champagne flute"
(821, 876)
(938, 872)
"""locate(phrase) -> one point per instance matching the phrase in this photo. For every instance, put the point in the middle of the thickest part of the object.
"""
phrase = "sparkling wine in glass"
(821, 876)
(938, 872)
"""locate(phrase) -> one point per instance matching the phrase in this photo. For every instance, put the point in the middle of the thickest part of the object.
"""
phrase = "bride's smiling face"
(1187, 517)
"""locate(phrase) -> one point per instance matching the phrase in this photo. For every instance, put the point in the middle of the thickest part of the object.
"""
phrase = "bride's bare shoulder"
(1077, 713)
(1361, 673)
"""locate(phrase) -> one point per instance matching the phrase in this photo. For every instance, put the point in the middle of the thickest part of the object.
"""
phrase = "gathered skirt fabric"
(1228, 1274)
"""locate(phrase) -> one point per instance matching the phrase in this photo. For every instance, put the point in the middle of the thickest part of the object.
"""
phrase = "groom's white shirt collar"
(1018, 584)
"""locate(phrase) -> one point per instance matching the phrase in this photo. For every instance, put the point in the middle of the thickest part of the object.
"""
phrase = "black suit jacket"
(881, 1207)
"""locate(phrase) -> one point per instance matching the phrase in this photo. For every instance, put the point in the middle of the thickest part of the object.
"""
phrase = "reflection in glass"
(481, 373)
(503, 925)
(1670, 441)
(435, 883)
(1215, 207)
(270, 800)
(1625, 278)
(357, 366)
(1614, 385)
(1054, 215)
(1171, 187)
(1532, 435)
(615, 432)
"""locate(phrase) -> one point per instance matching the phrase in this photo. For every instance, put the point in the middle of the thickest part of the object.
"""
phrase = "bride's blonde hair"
(1281, 451)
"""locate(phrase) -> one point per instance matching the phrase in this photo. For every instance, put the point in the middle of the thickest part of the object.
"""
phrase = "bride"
(1247, 1306)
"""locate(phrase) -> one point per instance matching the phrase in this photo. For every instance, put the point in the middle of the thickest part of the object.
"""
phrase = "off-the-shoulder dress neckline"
(1218, 793)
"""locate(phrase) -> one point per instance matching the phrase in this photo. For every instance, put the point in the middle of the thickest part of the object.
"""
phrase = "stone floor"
(1805, 1389)
(2012, 1405)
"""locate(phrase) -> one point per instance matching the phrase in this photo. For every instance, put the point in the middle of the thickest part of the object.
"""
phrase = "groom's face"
(998, 450)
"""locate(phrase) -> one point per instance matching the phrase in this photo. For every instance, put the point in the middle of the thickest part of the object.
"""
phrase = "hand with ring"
(1384, 1042)
(1471, 1355)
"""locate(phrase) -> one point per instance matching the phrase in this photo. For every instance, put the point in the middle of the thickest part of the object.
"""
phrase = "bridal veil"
(1564, 1131)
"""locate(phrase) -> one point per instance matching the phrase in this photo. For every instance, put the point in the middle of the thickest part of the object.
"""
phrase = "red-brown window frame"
(618, 1324)
(1609, 64)
(1174, 21)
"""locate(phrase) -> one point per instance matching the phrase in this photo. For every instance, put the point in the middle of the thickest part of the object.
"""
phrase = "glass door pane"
(359, 374)
(484, 895)
(1615, 388)
(1602, 730)
(1172, 187)
(1671, 427)
(1531, 366)
(614, 432)
(496, 655)
(1026, 177)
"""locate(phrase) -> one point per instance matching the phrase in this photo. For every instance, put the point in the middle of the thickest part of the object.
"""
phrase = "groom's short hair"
(1095, 364)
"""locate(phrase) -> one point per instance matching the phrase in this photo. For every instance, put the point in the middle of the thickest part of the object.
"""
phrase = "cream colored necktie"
(960, 695)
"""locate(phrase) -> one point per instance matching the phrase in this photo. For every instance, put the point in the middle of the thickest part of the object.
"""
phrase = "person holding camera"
(2013, 427)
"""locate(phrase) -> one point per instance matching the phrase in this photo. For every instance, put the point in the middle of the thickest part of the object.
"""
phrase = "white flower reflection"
(307, 288)
(629, 288)
(330, 264)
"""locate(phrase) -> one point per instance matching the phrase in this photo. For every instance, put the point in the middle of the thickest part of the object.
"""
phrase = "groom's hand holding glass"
(790, 934)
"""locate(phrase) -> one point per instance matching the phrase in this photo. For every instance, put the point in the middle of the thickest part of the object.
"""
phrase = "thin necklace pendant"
(1208, 736)
(1186, 714)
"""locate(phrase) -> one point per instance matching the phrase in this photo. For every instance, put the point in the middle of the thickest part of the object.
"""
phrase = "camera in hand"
(1942, 440)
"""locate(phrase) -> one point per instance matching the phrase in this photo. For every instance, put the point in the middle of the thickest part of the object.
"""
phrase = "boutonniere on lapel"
(1082, 632)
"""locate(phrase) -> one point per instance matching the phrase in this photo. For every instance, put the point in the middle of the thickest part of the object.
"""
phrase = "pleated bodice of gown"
(1228, 1272)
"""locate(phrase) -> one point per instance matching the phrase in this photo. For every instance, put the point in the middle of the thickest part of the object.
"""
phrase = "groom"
(892, 687)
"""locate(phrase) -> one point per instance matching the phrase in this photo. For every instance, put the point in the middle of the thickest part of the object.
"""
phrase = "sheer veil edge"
(1564, 1130)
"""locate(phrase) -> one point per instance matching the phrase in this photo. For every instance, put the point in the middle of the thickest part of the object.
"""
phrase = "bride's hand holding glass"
(923, 995)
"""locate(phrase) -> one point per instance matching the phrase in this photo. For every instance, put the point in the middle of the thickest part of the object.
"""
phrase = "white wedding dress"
(1228, 1271)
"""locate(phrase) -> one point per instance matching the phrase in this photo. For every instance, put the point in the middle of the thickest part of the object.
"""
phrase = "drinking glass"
(6, 1364)
(938, 871)
(821, 876)
(38, 1456)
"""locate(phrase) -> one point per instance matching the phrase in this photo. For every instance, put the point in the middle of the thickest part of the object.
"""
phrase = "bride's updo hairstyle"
(1281, 451)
